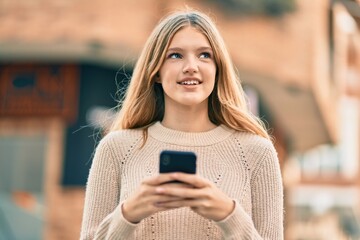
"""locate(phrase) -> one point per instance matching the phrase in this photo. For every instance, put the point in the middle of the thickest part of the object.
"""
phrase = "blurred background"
(64, 63)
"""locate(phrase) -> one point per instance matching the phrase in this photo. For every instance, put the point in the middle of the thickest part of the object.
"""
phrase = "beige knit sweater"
(243, 165)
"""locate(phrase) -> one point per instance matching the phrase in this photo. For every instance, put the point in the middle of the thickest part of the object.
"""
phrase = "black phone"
(177, 161)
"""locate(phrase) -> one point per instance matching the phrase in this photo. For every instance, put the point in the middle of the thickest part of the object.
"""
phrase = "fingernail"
(159, 190)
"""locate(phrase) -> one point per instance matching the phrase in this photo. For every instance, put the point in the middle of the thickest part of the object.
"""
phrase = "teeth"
(190, 82)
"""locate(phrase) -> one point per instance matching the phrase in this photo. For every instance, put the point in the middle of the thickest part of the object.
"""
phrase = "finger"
(159, 179)
(180, 192)
(193, 203)
(155, 197)
(148, 190)
(166, 198)
(150, 204)
(192, 179)
(177, 185)
(159, 203)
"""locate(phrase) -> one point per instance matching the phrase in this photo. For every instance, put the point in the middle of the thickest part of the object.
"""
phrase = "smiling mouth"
(189, 82)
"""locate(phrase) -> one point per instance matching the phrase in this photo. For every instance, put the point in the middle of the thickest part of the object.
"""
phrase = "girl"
(184, 95)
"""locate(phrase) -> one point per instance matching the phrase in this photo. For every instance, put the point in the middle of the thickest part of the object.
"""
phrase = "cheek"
(168, 84)
(213, 79)
(211, 75)
(210, 71)
(168, 74)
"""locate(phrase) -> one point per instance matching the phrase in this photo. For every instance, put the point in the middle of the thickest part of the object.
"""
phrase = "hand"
(204, 198)
(146, 201)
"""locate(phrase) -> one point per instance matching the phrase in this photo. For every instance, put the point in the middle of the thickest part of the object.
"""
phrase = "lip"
(189, 79)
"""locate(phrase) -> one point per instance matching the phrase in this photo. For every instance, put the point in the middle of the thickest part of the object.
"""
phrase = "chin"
(193, 102)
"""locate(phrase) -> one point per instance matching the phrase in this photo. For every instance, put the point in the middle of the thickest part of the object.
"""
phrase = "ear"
(157, 78)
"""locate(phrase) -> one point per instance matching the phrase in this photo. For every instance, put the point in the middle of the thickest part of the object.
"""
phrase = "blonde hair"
(143, 103)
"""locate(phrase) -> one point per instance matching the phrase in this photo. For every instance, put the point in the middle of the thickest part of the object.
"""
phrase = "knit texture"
(243, 165)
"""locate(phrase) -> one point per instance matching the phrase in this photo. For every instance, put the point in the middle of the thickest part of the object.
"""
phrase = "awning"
(294, 110)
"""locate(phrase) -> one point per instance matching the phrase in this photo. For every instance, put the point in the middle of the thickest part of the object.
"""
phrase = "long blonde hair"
(143, 103)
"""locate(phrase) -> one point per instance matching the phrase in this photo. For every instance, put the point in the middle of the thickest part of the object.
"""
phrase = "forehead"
(188, 36)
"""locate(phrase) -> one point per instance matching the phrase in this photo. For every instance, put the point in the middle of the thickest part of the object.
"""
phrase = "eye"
(205, 55)
(174, 55)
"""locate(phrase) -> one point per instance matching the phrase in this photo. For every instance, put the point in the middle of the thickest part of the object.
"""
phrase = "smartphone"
(177, 161)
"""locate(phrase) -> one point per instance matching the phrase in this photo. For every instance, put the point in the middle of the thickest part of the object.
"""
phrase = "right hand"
(144, 202)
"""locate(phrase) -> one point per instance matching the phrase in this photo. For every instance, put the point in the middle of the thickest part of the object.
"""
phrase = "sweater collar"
(163, 134)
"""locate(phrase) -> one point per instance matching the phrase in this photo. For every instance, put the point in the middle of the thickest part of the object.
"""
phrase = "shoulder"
(121, 139)
(122, 136)
(256, 149)
(253, 142)
(114, 147)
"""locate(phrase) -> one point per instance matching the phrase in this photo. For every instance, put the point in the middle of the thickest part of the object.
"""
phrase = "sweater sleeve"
(102, 216)
(267, 204)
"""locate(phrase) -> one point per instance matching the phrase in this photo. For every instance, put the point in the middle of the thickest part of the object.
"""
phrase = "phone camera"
(166, 160)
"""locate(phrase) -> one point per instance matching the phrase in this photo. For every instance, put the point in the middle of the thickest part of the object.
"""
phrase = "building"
(59, 61)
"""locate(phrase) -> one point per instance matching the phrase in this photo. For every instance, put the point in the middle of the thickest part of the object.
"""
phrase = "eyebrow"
(198, 49)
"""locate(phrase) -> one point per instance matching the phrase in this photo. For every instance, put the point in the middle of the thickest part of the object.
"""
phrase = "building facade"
(62, 64)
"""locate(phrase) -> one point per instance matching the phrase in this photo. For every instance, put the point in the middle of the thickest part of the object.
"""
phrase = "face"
(188, 72)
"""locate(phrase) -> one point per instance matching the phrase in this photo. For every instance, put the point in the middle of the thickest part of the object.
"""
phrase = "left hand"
(204, 198)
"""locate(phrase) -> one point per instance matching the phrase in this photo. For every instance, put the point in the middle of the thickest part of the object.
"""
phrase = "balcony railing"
(258, 7)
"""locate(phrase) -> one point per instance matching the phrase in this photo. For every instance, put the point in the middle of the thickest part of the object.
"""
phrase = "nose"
(190, 66)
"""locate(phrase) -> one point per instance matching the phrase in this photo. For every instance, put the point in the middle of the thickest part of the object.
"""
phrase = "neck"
(188, 119)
